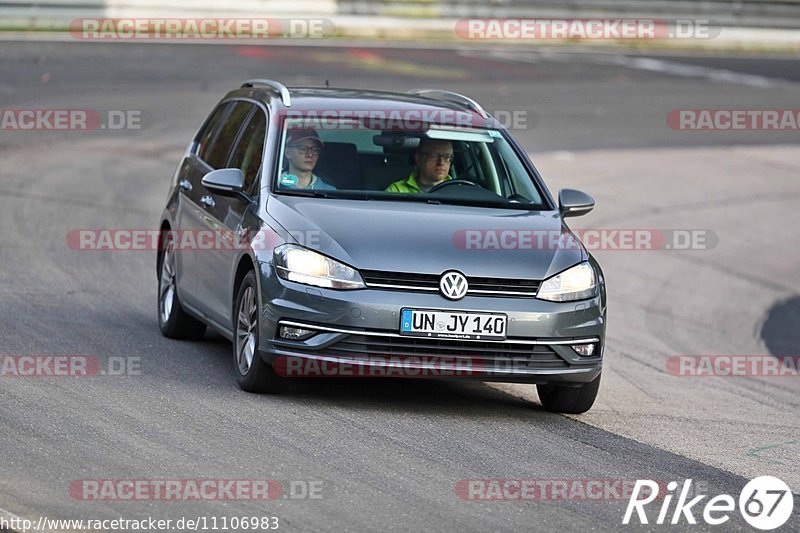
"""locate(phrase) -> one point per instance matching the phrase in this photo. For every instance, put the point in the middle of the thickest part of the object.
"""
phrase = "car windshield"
(433, 164)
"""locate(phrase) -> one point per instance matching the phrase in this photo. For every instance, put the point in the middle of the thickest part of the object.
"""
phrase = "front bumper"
(358, 335)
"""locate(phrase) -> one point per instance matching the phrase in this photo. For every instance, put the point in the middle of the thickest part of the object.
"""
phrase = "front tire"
(173, 321)
(571, 400)
(252, 373)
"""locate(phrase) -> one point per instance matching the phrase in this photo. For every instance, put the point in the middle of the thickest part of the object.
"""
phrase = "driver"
(433, 158)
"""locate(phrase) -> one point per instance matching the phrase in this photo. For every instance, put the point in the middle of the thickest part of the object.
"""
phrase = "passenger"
(303, 147)
(433, 159)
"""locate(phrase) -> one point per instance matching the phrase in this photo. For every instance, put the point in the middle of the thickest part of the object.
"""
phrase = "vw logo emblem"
(453, 285)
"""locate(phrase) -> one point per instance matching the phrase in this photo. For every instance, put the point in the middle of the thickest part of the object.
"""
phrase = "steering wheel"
(444, 184)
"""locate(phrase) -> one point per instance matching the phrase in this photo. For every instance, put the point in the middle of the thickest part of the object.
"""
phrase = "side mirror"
(572, 203)
(225, 182)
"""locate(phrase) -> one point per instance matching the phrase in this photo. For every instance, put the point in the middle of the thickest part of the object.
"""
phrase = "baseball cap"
(298, 134)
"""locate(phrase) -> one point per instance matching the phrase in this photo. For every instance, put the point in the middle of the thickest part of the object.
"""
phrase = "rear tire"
(572, 400)
(173, 321)
(252, 373)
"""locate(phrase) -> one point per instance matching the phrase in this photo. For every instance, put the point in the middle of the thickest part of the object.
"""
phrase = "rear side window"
(216, 150)
(211, 130)
(250, 148)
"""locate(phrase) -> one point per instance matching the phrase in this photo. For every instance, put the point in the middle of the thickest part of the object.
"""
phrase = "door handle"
(207, 201)
(186, 185)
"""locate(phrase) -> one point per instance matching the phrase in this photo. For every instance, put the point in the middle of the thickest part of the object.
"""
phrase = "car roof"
(441, 107)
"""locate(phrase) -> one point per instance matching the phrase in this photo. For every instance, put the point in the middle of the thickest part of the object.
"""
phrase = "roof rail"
(450, 96)
(278, 86)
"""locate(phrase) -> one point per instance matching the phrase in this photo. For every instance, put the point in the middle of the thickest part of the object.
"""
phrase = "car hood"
(430, 239)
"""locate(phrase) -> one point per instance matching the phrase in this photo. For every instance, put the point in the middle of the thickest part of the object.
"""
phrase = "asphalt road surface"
(393, 455)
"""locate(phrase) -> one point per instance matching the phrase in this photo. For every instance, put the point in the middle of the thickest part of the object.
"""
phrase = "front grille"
(400, 280)
(508, 287)
(532, 355)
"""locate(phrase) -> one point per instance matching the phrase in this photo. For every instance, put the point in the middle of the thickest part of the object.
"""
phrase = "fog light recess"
(584, 350)
(291, 333)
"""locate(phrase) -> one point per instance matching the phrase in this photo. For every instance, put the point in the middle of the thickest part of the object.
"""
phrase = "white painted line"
(696, 71)
(671, 68)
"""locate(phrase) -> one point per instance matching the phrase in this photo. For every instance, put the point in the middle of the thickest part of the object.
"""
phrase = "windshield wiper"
(500, 203)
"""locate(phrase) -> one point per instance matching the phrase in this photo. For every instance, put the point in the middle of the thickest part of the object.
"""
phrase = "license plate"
(453, 325)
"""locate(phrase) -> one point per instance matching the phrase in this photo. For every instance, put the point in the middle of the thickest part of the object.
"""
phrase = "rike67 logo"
(765, 503)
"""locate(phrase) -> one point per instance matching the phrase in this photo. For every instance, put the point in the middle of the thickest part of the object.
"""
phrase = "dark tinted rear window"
(248, 152)
(211, 130)
(215, 152)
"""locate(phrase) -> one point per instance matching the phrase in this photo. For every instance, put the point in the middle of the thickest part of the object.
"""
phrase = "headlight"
(295, 263)
(576, 283)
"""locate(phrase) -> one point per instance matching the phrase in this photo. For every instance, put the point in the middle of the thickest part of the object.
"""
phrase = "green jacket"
(409, 185)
